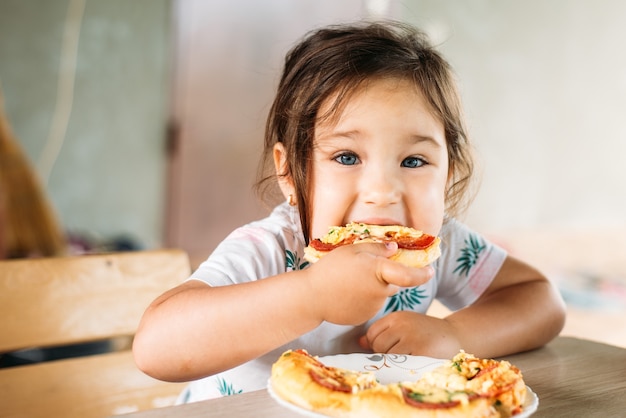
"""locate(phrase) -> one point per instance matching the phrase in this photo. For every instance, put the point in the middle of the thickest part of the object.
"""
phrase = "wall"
(94, 127)
(544, 85)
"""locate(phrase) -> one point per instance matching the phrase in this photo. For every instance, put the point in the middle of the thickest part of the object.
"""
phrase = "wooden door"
(227, 63)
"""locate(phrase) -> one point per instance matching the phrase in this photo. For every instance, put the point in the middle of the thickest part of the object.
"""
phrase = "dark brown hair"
(333, 62)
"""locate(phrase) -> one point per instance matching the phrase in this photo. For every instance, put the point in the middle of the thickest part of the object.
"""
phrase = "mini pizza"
(303, 380)
(499, 382)
(492, 379)
(464, 386)
(415, 248)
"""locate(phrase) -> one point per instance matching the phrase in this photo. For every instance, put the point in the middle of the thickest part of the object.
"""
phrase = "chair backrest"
(59, 301)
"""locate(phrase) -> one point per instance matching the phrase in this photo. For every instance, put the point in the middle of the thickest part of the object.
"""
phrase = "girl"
(366, 126)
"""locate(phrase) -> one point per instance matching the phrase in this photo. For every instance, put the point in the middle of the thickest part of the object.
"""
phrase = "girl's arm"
(196, 330)
(519, 311)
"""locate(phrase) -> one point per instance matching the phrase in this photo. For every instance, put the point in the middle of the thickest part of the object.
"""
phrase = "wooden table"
(572, 378)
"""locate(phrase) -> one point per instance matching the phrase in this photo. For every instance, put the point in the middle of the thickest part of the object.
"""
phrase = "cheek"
(427, 208)
(318, 230)
(329, 200)
(322, 212)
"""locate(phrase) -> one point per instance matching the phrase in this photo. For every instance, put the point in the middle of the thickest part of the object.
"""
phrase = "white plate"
(390, 368)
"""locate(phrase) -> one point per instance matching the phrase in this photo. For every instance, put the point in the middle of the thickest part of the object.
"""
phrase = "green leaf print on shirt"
(469, 255)
(405, 299)
(226, 389)
(293, 262)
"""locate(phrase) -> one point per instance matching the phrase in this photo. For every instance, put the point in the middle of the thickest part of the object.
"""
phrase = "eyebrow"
(353, 134)
(331, 133)
(417, 139)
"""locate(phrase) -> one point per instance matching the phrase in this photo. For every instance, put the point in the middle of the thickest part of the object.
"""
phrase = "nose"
(381, 187)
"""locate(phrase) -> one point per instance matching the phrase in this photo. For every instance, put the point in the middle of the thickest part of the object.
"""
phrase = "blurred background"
(143, 121)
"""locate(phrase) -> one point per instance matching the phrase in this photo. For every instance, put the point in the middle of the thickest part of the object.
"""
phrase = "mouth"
(379, 221)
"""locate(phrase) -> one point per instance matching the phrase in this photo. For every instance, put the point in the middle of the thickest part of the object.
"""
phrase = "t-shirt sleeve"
(468, 265)
(248, 253)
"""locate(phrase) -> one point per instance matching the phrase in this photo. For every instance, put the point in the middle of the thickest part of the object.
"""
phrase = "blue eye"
(413, 162)
(347, 159)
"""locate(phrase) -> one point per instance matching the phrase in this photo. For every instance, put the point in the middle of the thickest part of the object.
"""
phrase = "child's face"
(383, 161)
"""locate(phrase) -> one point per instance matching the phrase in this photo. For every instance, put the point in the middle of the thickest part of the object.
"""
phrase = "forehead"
(376, 95)
(334, 105)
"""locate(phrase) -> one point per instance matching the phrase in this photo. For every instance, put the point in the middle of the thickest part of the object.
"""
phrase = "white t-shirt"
(275, 245)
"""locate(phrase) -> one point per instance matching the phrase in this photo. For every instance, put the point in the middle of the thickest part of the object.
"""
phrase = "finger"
(381, 253)
(385, 342)
(393, 272)
(377, 249)
(398, 274)
(377, 337)
(364, 342)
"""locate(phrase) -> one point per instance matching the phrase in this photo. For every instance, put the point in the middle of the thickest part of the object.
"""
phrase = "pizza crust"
(388, 401)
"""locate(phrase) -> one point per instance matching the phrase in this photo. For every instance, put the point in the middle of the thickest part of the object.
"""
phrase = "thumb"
(391, 248)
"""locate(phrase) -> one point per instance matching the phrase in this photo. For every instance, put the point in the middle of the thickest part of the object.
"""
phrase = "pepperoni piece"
(484, 370)
(413, 399)
(411, 243)
(329, 382)
(323, 246)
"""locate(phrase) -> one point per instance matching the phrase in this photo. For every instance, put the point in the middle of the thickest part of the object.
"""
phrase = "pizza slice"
(303, 380)
(499, 381)
(415, 248)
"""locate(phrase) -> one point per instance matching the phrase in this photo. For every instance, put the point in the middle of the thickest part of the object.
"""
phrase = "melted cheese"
(337, 234)
(422, 391)
(445, 377)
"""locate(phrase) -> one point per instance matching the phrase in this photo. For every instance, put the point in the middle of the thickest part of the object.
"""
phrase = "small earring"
(291, 200)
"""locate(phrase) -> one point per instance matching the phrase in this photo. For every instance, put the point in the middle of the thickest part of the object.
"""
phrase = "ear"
(285, 181)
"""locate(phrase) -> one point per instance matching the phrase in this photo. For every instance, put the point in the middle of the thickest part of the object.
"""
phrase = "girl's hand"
(350, 284)
(520, 310)
(411, 333)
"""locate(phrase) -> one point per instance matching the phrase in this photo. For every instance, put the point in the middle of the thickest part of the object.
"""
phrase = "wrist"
(309, 303)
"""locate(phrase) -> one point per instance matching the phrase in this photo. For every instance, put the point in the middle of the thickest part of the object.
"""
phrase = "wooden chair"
(58, 301)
